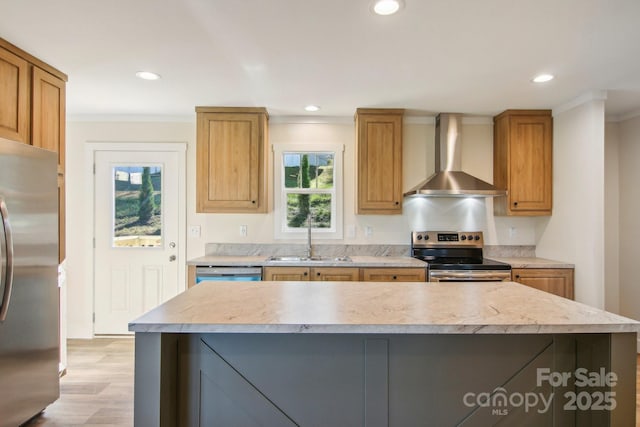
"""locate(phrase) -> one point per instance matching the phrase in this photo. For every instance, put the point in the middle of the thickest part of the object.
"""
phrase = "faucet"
(309, 248)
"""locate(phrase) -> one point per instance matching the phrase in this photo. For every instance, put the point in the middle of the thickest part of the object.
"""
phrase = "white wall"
(611, 218)
(575, 232)
(418, 163)
(79, 202)
(629, 156)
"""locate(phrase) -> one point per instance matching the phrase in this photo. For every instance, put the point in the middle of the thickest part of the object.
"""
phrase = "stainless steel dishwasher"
(234, 274)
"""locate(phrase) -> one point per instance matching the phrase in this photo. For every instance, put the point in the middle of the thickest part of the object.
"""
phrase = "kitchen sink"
(294, 258)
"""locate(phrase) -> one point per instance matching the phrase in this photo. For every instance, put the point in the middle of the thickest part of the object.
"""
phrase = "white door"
(137, 234)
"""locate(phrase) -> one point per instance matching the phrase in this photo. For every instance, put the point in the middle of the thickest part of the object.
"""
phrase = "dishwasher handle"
(228, 271)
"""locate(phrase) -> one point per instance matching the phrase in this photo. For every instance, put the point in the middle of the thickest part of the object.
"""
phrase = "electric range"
(456, 256)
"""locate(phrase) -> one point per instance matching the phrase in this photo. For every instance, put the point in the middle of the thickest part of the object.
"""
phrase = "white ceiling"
(470, 56)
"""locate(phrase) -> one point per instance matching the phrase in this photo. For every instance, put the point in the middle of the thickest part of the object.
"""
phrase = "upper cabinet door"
(523, 144)
(231, 159)
(530, 169)
(32, 110)
(48, 113)
(14, 97)
(48, 118)
(379, 161)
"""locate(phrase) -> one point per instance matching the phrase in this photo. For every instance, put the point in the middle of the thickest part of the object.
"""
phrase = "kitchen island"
(382, 354)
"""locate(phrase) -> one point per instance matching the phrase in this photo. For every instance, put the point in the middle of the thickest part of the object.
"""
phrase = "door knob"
(172, 258)
(172, 245)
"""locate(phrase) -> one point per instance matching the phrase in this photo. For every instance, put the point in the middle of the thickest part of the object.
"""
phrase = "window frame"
(281, 229)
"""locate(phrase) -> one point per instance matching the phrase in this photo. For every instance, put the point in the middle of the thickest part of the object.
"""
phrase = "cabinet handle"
(304, 274)
(397, 203)
(253, 201)
(395, 277)
(318, 274)
(515, 203)
(517, 276)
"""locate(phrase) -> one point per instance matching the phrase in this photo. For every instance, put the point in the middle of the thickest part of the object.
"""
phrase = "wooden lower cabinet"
(558, 281)
(393, 274)
(286, 274)
(344, 274)
(338, 274)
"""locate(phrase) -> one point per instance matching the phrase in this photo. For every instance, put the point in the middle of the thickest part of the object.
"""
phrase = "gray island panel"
(380, 354)
(382, 380)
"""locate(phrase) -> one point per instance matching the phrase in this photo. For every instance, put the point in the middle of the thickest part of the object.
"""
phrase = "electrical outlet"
(243, 230)
(194, 231)
(368, 231)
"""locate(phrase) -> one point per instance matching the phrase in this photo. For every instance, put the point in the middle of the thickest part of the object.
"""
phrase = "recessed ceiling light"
(542, 78)
(147, 75)
(386, 7)
(312, 108)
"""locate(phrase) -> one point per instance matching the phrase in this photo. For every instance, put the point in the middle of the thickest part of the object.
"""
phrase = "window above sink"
(308, 180)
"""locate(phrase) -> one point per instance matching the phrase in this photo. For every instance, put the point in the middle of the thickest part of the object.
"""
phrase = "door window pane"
(137, 206)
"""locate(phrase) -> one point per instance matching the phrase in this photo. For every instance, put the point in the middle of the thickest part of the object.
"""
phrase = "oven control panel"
(424, 239)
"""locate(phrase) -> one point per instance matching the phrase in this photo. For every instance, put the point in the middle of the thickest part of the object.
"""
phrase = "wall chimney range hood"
(449, 180)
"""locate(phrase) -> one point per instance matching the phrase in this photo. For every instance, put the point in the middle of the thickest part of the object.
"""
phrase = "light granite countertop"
(263, 261)
(376, 307)
(533, 262)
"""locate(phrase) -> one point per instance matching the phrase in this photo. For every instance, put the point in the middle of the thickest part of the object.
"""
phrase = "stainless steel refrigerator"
(29, 301)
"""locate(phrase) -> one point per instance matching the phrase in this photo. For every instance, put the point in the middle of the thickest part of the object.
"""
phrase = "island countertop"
(376, 307)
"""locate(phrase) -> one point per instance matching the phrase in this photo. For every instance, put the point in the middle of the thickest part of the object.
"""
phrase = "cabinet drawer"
(393, 275)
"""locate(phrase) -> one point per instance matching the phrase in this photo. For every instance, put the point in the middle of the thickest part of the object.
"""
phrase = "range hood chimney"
(449, 180)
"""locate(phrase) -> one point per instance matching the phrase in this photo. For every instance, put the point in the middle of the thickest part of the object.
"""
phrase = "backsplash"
(507, 251)
(267, 249)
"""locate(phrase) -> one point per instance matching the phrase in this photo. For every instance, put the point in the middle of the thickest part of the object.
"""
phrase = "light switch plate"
(194, 231)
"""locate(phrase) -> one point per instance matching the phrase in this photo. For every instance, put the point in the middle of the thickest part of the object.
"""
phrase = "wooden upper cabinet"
(379, 161)
(48, 118)
(231, 160)
(14, 97)
(33, 111)
(522, 149)
(48, 113)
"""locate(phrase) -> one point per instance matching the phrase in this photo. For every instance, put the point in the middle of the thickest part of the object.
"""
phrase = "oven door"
(469, 275)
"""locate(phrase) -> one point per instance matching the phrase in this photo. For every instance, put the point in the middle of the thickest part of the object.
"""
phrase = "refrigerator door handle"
(6, 241)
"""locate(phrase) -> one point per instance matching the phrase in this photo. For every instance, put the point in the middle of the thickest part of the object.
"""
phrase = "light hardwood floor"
(98, 387)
